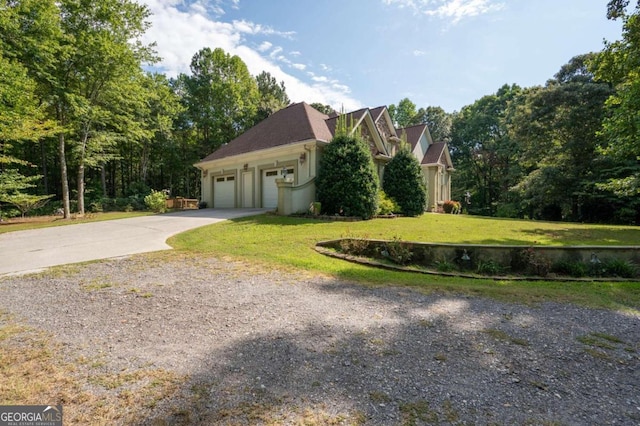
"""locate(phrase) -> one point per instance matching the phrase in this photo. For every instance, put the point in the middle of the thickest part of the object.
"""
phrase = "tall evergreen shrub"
(347, 181)
(404, 182)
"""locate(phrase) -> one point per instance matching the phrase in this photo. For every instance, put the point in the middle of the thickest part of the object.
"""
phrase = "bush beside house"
(347, 183)
(403, 181)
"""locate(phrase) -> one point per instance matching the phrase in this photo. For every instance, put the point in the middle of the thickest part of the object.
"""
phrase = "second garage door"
(224, 192)
(269, 187)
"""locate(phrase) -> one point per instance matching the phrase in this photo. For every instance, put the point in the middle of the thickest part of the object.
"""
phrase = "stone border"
(330, 248)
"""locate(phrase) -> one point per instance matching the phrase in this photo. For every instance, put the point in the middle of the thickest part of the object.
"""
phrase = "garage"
(269, 187)
(224, 192)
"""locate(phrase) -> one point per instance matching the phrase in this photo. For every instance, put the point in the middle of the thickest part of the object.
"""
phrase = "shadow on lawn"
(394, 356)
(589, 236)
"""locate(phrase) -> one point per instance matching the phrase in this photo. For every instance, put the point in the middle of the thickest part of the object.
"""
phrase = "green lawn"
(285, 242)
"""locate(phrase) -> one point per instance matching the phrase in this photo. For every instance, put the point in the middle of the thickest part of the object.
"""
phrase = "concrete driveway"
(31, 251)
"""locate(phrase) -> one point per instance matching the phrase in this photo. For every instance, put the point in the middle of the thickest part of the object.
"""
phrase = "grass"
(19, 224)
(33, 371)
(288, 243)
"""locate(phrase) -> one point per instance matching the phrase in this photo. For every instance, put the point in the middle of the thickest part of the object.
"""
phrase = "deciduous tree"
(222, 97)
(273, 96)
(619, 65)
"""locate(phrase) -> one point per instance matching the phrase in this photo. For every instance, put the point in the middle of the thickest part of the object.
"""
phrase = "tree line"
(568, 150)
(82, 122)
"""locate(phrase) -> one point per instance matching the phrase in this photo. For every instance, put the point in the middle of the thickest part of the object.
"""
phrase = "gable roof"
(301, 122)
(434, 154)
(297, 122)
(377, 112)
(352, 118)
(414, 133)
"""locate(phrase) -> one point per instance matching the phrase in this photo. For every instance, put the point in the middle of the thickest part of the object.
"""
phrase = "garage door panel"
(224, 192)
(269, 187)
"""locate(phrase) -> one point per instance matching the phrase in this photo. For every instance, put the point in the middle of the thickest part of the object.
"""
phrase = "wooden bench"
(182, 203)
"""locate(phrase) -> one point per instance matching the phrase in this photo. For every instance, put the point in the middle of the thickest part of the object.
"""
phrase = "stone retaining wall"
(515, 258)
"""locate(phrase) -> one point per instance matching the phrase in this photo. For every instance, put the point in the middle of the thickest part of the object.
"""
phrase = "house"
(274, 163)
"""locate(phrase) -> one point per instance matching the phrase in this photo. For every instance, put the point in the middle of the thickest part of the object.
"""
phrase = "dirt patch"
(260, 347)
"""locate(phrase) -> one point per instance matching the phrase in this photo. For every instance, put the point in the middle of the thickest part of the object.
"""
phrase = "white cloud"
(180, 32)
(320, 79)
(454, 10)
(253, 28)
(418, 52)
(264, 46)
(275, 52)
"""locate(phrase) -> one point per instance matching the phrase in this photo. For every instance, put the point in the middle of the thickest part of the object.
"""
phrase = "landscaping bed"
(499, 261)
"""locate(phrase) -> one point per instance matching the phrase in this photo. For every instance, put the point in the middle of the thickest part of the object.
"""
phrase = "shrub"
(445, 266)
(354, 246)
(347, 182)
(397, 251)
(571, 268)
(452, 207)
(489, 267)
(509, 210)
(530, 261)
(403, 181)
(95, 207)
(156, 201)
(619, 268)
(386, 205)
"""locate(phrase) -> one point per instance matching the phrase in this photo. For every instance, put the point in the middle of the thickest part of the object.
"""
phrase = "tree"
(403, 181)
(438, 121)
(221, 96)
(273, 96)
(106, 54)
(485, 155)
(347, 182)
(77, 51)
(618, 64)
(22, 117)
(12, 187)
(405, 114)
(556, 127)
(325, 109)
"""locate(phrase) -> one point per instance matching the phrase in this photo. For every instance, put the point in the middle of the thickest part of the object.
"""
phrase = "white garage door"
(269, 187)
(224, 192)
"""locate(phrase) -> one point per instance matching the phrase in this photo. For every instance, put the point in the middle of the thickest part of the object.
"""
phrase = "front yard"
(245, 323)
(285, 242)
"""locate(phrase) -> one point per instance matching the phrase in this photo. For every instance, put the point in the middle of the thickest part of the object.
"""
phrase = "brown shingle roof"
(434, 153)
(376, 113)
(352, 117)
(413, 134)
(295, 123)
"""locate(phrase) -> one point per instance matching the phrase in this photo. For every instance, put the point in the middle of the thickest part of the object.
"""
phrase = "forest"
(85, 126)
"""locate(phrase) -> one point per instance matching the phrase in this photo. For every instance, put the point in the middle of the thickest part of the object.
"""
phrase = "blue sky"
(357, 53)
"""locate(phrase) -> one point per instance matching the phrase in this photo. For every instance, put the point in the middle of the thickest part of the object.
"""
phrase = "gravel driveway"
(267, 347)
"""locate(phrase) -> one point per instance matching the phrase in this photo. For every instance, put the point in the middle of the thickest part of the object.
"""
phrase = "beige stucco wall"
(302, 157)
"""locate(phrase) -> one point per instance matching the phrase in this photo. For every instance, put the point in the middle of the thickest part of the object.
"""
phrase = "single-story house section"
(284, 151)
